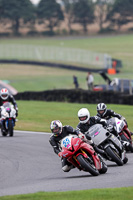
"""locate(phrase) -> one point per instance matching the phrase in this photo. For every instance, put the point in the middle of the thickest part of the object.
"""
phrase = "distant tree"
(102, 8)
(121, 13)
(83, 11)
(14, 10)
(51, 11)
(68, 9)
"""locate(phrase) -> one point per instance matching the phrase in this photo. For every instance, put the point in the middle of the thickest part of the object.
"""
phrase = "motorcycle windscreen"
(66, 141)
(98, 134)
(7, 105)
(117, 123)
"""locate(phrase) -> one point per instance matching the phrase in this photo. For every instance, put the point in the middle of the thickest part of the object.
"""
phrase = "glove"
(60, 154)
(82, 137)
(104, 122)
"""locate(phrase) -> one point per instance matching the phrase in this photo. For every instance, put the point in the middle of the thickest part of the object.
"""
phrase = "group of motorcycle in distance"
(83, 156)
(80, 153)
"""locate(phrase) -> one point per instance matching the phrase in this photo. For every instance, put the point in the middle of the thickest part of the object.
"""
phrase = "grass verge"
(94, 194)
(37, 115)
(29, 78)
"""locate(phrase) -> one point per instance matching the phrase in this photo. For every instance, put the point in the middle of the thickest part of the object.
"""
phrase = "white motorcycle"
(121, 128)
(109, 143)
(8, 117)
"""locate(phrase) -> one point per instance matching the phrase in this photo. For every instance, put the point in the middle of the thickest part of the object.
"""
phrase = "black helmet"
(56, 127)
(101, 109)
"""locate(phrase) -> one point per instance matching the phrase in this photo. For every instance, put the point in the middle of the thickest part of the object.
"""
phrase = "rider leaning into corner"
(105, 113)
(6, 97)
(58, 133)
(85, 122)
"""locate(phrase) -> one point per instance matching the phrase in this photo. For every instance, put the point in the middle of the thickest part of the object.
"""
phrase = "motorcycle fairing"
(77, 147)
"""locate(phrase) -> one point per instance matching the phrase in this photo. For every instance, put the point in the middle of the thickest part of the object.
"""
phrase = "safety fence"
(55, 54)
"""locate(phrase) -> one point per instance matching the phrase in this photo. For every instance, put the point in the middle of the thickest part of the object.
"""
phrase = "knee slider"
(66, 168)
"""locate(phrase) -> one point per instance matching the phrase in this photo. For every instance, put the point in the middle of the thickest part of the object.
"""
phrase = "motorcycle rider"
(59, 132)
(105, 113)
(6, 97)
(86, 122)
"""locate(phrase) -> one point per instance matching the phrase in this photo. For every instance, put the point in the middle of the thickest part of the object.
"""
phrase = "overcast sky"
(35, 1)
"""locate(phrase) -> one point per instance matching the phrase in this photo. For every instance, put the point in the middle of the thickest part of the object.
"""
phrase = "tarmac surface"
(28, 165)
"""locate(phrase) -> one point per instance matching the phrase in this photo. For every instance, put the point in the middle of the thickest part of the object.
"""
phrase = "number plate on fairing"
(66, 142)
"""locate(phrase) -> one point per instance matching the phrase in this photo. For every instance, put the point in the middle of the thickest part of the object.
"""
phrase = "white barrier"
(52, 53)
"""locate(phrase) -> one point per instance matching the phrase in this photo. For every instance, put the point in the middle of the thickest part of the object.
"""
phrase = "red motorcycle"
(82, 155)
(121, 128)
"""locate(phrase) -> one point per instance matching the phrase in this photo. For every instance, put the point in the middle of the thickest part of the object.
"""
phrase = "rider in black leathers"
(105, 113)
(86, 122)
(6, 97)
(59, 132)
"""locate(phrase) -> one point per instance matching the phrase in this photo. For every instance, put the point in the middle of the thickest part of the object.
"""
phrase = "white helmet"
(83, 115)
(4, 94)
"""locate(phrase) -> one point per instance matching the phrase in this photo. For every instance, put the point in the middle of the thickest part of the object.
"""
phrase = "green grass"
(36, 78)
(94, 194)
(29, 78)
(37, 115)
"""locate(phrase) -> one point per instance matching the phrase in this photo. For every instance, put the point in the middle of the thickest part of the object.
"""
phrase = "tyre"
(3, 133)
(130, 146)
(115, 157)
(10, 128)
(85, 164)
(125, 160)
(104, 167)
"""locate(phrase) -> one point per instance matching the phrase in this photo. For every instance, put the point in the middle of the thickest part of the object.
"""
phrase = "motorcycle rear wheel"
(87, 166)
(115, 157)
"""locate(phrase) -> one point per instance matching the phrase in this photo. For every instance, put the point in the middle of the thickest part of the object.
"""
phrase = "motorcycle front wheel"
(104, 168)
(113, 154)
(87, 166)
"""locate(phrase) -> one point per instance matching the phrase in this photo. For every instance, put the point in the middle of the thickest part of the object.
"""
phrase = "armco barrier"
(77, 96)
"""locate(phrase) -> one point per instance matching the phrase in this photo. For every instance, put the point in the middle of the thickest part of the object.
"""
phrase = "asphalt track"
(28, 165)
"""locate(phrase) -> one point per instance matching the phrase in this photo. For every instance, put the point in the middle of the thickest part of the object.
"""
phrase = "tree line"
(115, 13)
